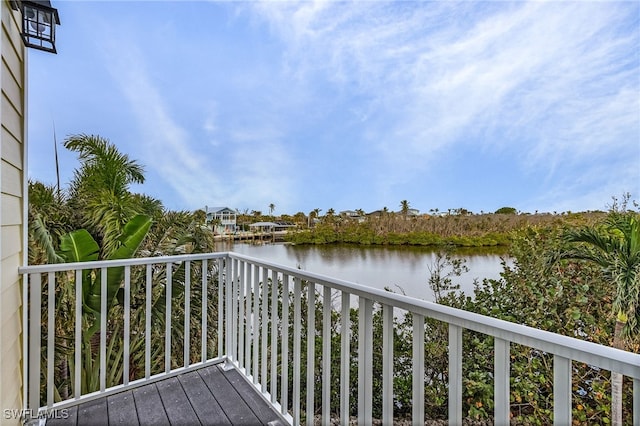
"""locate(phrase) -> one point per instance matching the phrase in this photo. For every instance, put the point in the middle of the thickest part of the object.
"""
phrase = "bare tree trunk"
(616, 379)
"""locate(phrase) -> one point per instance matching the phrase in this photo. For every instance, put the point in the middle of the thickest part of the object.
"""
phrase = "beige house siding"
(12, 166)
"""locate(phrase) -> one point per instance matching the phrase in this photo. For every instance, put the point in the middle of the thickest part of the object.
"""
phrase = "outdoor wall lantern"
(39, 22)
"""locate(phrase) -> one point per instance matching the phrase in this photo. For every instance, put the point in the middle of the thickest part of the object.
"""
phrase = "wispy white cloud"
(553, 78)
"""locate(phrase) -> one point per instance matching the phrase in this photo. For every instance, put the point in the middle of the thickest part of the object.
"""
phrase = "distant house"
(352, 214)
(222, 219)
(271, 226)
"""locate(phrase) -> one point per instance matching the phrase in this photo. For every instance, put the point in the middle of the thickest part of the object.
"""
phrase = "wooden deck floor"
(208, 396)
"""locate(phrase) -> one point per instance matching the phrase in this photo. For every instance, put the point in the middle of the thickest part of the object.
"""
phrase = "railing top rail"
(60, 267)
(605, 357)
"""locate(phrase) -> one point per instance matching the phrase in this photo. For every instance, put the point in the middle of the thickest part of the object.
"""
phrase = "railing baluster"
(220, 325)
(455, 374)
(248, 323)
(127, 324)
(297, 325)
(77, 390)
(35, 322)
(345, 357)
(636, 401)
(561, 390)
(235, 299)
(186, 355)
(265, 307)
(417, 416)
(326, 356)
(167, 319)
(311, 351)
(387, 364)
(51, 302)
(241, 320)
(274, 336)
(284, 388)
(501, 373)
(204, 310)
(273, 388)
(365, 361)
(147, 321)
(228, 291)
(103, 328)
(256, 322)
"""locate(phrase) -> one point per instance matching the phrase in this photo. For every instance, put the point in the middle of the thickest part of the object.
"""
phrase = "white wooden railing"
(249, 326)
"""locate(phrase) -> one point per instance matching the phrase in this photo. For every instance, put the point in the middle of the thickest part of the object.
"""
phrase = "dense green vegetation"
(453, 229)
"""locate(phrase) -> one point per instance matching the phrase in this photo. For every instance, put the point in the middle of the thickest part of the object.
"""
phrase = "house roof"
(219, 209)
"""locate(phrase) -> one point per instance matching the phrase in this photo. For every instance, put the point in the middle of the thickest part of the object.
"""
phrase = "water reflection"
(404, 268)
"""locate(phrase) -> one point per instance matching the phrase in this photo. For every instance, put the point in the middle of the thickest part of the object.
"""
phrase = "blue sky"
(534, 105)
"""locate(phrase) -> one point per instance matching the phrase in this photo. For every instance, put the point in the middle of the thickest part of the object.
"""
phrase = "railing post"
(455, 375)
(365, 362)
(501, 373)
(561, 390)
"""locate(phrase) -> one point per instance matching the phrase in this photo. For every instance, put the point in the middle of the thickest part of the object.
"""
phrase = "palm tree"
(99, 190)
(272, 207)
(404, 208)
(615, 247)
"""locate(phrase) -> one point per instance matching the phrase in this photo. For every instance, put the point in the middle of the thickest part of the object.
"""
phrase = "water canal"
(400, 268)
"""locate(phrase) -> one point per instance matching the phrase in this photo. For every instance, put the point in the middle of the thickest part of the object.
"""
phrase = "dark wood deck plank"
(94, 413)
(176, 404)
(263, 410)
(149, 406)
(122, 409)
(236, 409)
(66, 417)
(202, 400)
(208, 396)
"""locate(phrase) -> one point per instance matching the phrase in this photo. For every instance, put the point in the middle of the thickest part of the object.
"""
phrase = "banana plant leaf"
(132, 236)
(79, 246)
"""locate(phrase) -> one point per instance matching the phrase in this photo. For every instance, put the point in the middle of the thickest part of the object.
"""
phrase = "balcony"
(170, 317)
